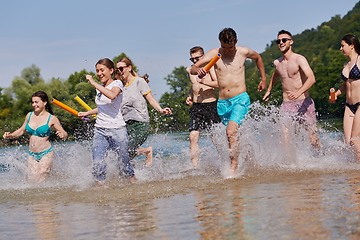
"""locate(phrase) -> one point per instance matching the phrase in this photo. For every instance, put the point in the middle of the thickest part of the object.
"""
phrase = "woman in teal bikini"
(350, 47)
(38, 124)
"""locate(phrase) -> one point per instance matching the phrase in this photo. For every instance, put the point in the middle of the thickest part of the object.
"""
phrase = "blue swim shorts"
(233, 109)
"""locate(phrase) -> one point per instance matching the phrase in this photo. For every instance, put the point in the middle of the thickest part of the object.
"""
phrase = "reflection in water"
(281, 193)
(296, 206)
(46, 220)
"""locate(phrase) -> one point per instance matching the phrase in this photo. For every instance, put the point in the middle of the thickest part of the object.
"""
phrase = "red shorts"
(302, 110)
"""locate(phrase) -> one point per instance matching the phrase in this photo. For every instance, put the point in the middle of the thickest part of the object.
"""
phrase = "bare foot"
(149, 156)
(232, 172)
(132, 179)
(101, 184)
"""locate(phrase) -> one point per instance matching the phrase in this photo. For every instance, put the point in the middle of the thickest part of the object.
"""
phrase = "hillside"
(321, 48)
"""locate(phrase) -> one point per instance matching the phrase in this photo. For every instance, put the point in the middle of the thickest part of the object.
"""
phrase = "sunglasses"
(121, 68)
(195, 58)
(282, 40)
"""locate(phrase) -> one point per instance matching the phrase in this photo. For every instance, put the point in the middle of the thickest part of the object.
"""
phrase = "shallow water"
(282, 191)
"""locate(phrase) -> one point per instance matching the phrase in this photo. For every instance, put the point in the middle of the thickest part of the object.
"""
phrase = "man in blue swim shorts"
(233, 109)
(233, 102)
(297, 78)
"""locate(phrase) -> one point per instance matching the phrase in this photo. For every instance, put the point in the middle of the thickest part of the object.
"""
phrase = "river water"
(282, 191)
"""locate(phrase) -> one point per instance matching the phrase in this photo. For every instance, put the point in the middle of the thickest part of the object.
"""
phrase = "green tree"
(179, 83)
(123, 55)
(32, 75)
(76, 78)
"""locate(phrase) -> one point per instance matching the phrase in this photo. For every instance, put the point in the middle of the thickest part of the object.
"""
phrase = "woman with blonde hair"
(134, 108)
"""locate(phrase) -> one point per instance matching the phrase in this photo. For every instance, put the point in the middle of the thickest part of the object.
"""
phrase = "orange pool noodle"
(64, 106)
(332, 95)
(212, 63)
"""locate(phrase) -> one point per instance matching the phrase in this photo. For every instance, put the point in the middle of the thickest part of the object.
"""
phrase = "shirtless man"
(202, 98)
(233, 103)
(297, 78)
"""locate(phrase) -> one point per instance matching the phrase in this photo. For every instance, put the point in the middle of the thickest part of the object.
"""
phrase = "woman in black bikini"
(350, 47)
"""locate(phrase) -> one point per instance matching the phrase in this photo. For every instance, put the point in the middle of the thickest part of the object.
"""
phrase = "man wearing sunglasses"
(234, 102)
(202, 100)
(297, 78)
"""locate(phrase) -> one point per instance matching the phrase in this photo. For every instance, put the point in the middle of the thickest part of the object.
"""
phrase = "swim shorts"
(203, 116)
(302, 110)
(233, 109)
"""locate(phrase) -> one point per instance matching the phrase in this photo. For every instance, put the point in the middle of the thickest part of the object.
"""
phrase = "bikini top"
(42, 131)
(354, 72)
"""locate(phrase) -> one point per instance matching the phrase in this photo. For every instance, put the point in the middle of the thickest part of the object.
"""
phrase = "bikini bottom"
(39, 155)
(353, 107)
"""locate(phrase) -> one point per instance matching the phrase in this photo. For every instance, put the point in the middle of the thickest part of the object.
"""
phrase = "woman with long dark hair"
(38, 124)
(350, 47)
(110, 131)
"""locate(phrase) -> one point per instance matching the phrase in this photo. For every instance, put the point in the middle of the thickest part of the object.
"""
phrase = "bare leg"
(313, 137)
(348, 124)
(38, 171)
(148, 154)
(286, 136)
(231, 133)
(194, 147)
(355, 135)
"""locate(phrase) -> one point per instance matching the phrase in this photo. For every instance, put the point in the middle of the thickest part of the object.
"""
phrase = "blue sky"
(62, 37)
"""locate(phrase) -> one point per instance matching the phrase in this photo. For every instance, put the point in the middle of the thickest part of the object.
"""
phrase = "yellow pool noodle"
(82, 103)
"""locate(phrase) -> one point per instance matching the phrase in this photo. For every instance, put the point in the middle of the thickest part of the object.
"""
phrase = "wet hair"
(128, 62)
(108, 63)
(44, 97)
(352, 40)
(284, 32)
(197, 49)
(227, 36)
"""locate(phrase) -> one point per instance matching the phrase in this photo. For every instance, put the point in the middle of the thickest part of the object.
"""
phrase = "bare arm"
(189, 99)
(87, 113)
(18, 132)
(109, 93)
(310, 79)
(340, 91)
(213, 82)
(260, 65)
(274, 78)
(60, 132)
(150, 98)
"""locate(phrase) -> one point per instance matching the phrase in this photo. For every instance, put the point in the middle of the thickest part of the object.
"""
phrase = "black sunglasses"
(121, 68)
(282, 40)
(195, 58)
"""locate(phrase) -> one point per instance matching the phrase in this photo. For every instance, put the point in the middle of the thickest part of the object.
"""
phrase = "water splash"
(262, 151)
